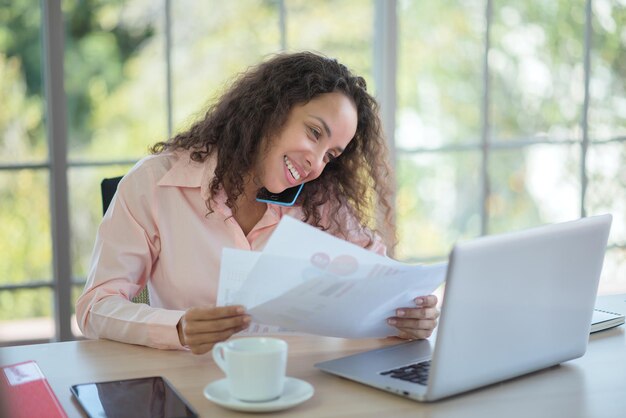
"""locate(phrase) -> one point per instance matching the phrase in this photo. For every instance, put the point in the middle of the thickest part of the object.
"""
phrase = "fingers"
(211, 312)
(413, 324)
(203, 343)
(429, 301)
(414, 334)
(192, 327)
(409, 328)
(200, 320)
(202, 327)
(417, 313)
(417, 323)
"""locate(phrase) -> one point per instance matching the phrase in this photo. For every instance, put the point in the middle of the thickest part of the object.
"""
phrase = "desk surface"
(591, 386)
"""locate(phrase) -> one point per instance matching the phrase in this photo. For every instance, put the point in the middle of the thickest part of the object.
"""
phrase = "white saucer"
(296, 391)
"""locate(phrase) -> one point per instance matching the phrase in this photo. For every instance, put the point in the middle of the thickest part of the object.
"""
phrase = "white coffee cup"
(255, 367)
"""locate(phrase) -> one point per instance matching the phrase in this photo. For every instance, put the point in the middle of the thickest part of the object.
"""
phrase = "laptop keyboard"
(416, 373)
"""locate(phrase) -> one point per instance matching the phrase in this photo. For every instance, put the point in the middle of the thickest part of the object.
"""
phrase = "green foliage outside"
(96, 55)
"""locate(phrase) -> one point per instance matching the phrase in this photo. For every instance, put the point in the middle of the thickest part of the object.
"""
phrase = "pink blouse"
(156, 232)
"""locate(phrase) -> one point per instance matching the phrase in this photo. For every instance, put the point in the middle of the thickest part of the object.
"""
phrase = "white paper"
(348, 307)
(296, 239)
(297, 252)
(309, 281)
(235, 267)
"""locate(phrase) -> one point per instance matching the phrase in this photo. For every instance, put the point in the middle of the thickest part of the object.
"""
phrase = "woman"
(294, 119)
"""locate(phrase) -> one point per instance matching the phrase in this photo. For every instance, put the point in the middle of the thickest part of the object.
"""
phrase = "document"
(309, 281)
(235, 267)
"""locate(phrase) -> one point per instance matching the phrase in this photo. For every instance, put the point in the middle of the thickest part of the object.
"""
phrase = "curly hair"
(257, 106)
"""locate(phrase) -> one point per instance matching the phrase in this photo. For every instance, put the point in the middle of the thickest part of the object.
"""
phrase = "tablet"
(142, 397)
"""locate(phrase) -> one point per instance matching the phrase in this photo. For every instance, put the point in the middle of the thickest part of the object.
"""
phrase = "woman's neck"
(248, 210)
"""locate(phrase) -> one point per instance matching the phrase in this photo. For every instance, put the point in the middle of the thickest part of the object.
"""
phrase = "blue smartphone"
(285, 198)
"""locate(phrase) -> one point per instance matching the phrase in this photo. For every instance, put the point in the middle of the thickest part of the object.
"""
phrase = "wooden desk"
(592, 386)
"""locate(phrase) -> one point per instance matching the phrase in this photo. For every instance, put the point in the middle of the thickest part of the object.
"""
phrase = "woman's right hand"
(201, 327)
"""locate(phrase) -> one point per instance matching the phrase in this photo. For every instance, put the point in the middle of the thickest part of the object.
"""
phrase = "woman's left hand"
(416, 323)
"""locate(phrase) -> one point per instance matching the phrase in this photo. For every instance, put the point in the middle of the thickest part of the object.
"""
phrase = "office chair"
(108, 187)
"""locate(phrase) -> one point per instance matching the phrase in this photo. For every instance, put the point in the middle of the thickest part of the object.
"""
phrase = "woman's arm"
(127, 245)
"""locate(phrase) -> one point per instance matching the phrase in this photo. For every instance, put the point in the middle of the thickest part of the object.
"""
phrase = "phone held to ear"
(285, 198)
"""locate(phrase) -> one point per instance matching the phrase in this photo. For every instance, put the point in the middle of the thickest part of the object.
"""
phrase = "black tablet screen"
(148, 397)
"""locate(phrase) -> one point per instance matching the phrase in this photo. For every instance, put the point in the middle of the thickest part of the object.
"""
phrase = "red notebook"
(27, 394)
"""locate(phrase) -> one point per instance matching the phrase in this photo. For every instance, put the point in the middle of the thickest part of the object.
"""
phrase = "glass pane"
(613, 279)
(341, 29)
(536, 67)
(76, 292)
(26, 315)
(25, 240)
(438, 203)
(86, 211)
(606, 188)
(114, 77)
(533, 186)
(607, 88)
(440, 87)
(212, 42)
(22, 133)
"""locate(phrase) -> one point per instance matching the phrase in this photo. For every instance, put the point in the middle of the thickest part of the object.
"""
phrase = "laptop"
(514, 303)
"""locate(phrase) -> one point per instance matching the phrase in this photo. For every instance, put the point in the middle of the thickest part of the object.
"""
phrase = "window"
(507, 115)
(496, 127)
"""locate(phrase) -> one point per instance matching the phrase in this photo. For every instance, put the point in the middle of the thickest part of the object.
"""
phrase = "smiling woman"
(271, 108)
(294, 119)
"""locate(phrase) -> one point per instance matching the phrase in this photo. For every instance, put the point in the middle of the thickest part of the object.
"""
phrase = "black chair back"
(108, 187)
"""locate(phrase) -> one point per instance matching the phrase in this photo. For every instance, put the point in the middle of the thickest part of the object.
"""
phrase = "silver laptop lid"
(517, 303)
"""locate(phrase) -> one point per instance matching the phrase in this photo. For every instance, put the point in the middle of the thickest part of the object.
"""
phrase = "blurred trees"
(98, 46)
(536, 79)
